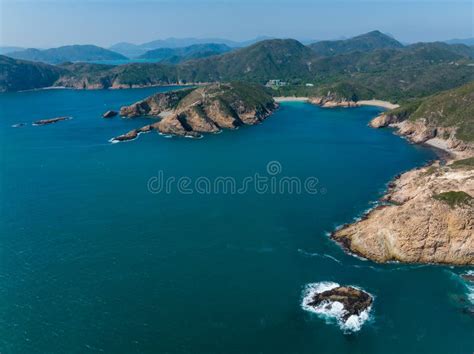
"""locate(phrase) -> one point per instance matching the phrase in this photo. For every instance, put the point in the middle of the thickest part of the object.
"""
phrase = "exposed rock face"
(206, 109)
(332, 101)
(154, 105)
(418, 228)
(132, 134)
(222, 116)
(354, 300)
(417, 131)
(109, 114)
(50, 121)
(384, 120)
(420, 131)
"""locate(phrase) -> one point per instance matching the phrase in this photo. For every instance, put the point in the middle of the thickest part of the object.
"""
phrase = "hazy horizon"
(53, 23)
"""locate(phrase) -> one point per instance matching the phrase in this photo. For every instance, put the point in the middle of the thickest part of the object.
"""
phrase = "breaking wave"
(332, 311)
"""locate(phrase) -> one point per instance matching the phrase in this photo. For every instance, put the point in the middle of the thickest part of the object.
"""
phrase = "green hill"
(17, 75)
(391, 74)
(284, 59)
(67, 53)
(364, 43)
(452, 109)
(394, 74)
(178, 55)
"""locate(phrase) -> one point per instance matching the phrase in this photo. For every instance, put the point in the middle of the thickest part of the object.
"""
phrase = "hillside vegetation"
(365, 42)
(17, 75)
(368, 66)
(454, 108)
(67, 53)
(178, 55)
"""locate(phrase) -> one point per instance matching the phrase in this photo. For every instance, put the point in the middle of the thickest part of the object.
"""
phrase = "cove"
(91, 260)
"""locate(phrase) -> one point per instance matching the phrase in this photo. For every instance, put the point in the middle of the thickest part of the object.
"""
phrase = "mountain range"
(367, 66)
(135, 50)
(67, 53)
(178, 55)
(365, 42)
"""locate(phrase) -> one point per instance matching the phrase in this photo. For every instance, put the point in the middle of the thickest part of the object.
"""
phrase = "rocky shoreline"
(207, 109)
(422, 219)
(332, 101)
(349, 306)
(50, 121)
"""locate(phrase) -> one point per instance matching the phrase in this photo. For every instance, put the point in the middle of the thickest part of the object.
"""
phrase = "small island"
(348, 305)
(50, 121)
(207, 109)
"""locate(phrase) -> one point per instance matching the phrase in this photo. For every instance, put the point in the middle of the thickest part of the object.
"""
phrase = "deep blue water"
(92, 261)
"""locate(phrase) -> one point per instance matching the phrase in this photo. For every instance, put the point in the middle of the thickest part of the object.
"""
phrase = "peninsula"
(207, 109)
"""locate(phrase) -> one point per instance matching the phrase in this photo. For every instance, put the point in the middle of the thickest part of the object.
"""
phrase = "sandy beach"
(378, 103)
(291, 99)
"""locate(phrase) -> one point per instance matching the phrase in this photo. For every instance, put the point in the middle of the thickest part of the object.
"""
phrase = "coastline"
(290, 99)
(378, 103)
(121, 87)
(382, 233)
(374, 103)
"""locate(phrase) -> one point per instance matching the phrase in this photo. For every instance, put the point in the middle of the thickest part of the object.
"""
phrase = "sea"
(176, 245)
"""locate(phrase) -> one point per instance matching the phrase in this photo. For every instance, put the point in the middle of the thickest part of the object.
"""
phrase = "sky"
(51, 23)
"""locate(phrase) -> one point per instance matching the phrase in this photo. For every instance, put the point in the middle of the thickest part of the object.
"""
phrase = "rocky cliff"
(206, 109)
(428, 218)
(331, 101)
(445, 120)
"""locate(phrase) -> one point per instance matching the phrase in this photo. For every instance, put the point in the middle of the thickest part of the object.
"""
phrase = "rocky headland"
(332, 101)
(207, 109)
(109, 114)
(427, 215)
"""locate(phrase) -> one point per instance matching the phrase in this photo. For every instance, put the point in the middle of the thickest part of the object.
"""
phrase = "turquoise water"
(92, 261)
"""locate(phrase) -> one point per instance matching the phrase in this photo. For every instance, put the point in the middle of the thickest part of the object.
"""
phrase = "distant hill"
(178, 55)
(365, 42)
(394, 74)
(7, 49)
(466, 41)
(284, 59)
(17, 75)
(440, 50)
(134, 50)
(67, 53)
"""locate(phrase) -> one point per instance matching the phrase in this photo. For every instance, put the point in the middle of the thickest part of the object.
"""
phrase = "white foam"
(194, 137)
(315, 254)
(332, 311)
(470, 287)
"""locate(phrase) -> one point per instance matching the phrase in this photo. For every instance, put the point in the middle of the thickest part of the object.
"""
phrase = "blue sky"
(43, 23)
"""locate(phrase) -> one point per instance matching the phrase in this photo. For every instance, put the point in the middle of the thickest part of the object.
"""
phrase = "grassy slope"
(453, 108)
(17, 75)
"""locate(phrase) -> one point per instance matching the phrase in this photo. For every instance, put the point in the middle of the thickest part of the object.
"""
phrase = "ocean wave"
(470, 287)
(333, 312)
(315, 254)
